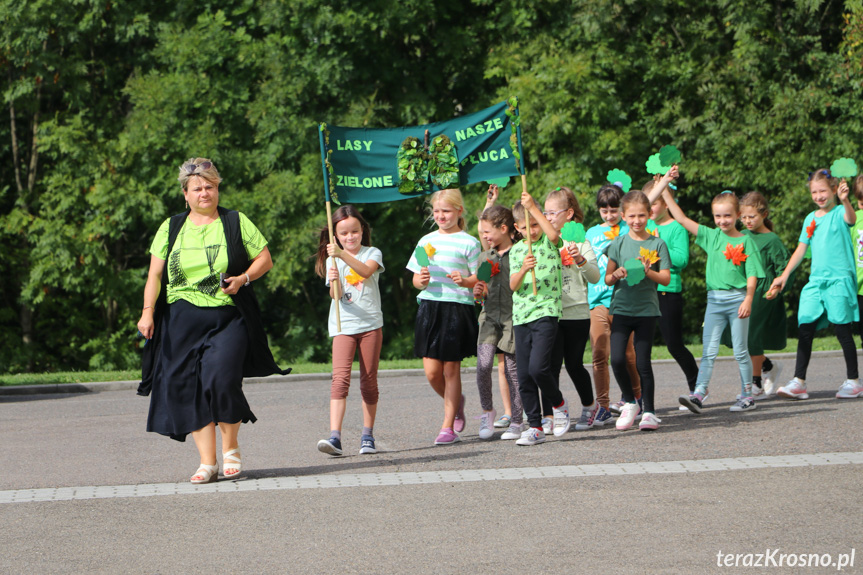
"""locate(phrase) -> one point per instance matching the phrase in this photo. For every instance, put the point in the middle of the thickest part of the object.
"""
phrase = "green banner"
(362, 165)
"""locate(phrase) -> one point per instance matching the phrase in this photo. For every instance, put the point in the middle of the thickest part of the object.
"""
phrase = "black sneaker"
(692, 402)
(331, 446)
(367, 445)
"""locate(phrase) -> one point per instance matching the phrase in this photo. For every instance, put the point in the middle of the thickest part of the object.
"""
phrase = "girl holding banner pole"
(353, 285)
(444, 265)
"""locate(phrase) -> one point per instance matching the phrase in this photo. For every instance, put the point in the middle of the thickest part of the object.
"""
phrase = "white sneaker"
(531, 437)
(769, 378)
(628, 413)
(745, 404)
(757, 393)
(850, 389)
(794, 389)
(486, 424)
(649, 422)
(562, 422)
(547, 425)
(514, 431)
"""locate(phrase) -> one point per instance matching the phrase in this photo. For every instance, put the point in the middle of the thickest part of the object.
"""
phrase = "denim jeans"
(722, 306)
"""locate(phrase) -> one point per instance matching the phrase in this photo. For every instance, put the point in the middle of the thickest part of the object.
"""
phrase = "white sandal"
(207, 473)
(230, 461)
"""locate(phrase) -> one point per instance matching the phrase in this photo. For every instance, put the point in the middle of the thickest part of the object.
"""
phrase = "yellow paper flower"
(649, 255)
(430, 250)
(353, 278)
(613, 232)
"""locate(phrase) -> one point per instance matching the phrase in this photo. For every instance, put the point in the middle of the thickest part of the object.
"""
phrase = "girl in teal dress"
(830, 295)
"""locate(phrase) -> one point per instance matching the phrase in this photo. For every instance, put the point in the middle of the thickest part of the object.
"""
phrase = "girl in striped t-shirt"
(446, 324)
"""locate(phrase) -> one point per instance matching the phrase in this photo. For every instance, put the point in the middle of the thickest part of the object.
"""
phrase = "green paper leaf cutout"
(668, 156)
(634, 271)
(483, 273)
(572, 232)
(844, 168)
(499, 182)
(621, 179)
(654, 166)
(421, 256)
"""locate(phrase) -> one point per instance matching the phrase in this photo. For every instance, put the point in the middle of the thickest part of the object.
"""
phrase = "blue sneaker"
(603, 416)
(331, 446)
(367, 444)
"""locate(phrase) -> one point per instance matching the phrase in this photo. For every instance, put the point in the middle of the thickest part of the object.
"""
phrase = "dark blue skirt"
(199, 378)
(446, 331)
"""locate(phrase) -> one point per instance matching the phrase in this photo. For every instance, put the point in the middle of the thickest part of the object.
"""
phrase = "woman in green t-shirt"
(203, 323)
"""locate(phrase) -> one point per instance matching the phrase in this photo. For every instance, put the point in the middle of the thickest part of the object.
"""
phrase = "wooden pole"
(527, 224)
(338, 285)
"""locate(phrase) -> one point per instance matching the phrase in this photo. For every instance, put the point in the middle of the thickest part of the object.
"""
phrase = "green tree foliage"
(106, 100)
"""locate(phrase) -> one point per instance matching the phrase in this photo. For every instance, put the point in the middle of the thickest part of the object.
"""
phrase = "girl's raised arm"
(662, 184)
(677, 213)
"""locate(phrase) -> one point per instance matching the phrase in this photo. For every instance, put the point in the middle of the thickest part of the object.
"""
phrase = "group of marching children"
(543, 299)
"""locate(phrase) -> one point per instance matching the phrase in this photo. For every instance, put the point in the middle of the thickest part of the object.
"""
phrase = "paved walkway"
(85, 489)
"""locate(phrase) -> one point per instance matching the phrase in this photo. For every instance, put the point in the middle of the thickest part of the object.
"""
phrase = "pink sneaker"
(447, 437)
(459, 423)
(794, 389)
(850, 389)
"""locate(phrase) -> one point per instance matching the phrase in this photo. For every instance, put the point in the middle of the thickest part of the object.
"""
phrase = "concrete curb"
(95, 387)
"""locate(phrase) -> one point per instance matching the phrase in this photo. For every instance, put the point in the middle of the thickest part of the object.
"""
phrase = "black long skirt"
(199, 379)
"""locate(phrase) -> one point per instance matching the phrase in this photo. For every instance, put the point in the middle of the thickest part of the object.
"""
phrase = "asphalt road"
(783, 477)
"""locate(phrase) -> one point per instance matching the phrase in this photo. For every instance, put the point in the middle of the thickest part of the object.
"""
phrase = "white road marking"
(429, 477)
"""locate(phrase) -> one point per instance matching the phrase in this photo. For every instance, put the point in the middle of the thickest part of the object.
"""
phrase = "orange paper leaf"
(495, 268)
(735, 254)
(353, 278)
(613, 232)
(649, 255)
(565, 258)
(810, 229)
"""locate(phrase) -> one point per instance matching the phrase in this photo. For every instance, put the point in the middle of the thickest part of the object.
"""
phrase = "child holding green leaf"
(445, 333)
(733, 268)
(496, 334)
(579, 269)
(637, 261)
(830, 295)
(535, 318)
(599, 294)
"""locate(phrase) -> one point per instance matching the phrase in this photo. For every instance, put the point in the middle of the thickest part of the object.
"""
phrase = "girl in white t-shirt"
(361, 318)
(446, 326)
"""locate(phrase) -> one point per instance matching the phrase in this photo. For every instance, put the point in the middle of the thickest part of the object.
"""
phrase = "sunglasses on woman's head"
(191, 169)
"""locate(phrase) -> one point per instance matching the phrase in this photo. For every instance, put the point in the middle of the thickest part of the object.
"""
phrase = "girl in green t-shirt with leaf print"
(733, 268)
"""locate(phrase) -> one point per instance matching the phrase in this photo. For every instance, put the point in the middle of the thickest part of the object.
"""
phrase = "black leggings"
(572, 336)
(534, 345)
(860, 323)
(671, 327)
(845, 335)
(644, 327)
